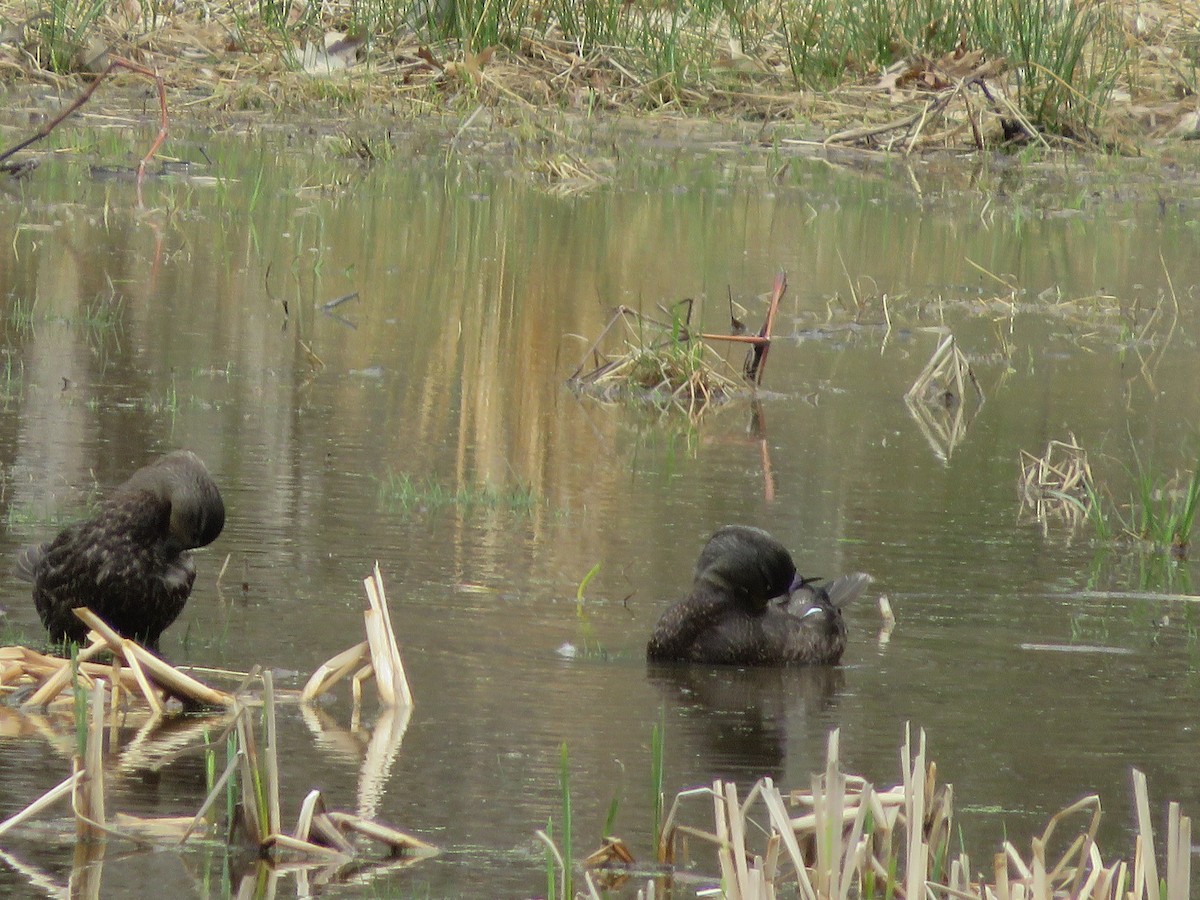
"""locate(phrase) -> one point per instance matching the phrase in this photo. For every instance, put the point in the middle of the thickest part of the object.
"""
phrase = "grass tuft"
(403, 491)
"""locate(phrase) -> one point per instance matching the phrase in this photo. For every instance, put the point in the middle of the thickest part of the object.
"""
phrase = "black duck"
(129, 563)
(748, 607)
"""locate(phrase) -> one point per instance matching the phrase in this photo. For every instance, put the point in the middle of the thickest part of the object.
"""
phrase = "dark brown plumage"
(748, 607)
(129, 563)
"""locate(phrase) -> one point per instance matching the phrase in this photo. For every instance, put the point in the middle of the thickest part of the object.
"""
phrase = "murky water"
(199, 322)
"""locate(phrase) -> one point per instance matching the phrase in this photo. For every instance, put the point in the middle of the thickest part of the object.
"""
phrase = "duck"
(749, 607)
(131, 562)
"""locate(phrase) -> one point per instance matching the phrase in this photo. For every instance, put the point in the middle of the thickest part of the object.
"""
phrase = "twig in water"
(83, 98)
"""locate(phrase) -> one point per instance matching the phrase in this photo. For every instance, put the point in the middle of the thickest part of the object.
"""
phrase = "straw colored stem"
(148, 691)
(334, 670)
(95, 755)
(1146, 834)
(327, 831)
(271, 754)
(139, 659)
(304, 820)
(61, 678)
(52, 796)
(252, 813)
(398, 840)
(288, 842)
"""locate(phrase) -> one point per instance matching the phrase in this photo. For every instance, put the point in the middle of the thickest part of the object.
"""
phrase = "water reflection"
(739, 723)
(199, 322)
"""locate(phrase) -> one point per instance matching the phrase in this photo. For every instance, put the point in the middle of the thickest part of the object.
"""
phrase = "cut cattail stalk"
(397, 840)
(324, 829)
(385, 654)
(307, 808)
(287, 842)
(380, 648)
(334, 670)
(62, 676)
(272, 757)
(94, 758)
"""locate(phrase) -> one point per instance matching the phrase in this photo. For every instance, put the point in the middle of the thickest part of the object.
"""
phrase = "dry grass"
(939, 400)
(730, 63)
(850, 840)
(1057, 485)
(662, 363)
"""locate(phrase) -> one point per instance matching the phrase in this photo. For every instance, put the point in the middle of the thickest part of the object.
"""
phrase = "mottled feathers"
(129, 563)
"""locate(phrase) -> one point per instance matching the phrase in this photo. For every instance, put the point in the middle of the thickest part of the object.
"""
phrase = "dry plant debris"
(343, 56)
(326, 840)
(1058, 484)
(851, 840)
(655, 362)
(667, 364)
(938, 400)
(378, 656)
(134, 669)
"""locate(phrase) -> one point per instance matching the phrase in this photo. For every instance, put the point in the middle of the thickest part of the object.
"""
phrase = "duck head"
(746, 564)
(181, 478)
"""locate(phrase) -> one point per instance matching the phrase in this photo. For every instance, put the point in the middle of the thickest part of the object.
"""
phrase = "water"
(199, 322)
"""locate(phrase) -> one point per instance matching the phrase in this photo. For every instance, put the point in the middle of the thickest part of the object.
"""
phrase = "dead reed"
(134, 670)
(939, 399)
(378, 656)
(1058, 484)
(667, 364)
(850, 840)
(325, 839)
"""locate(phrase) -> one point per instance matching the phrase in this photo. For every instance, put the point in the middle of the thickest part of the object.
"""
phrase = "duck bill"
(800, 581)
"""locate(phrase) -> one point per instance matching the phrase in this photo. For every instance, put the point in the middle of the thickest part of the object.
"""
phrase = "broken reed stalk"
(272, 757)
(846, 857)
(380, 648)
(52, 796)
(94, 764)
(139, 660)
(384, 834)
(117, 63)
(334, 670)
(1148, 861)
(57, 682)
(304, 819)
(254, 814)
(385, 654)
(914, 811)
(947, 359)
(1058, 481)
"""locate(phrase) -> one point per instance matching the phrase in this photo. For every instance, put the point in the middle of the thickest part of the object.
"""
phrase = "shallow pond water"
(337, 432)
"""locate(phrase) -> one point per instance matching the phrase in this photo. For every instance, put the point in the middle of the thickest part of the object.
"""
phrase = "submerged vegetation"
(403, 491)
(935, 72)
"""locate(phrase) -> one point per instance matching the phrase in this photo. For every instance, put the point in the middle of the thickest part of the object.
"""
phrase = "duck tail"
(845, 590)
